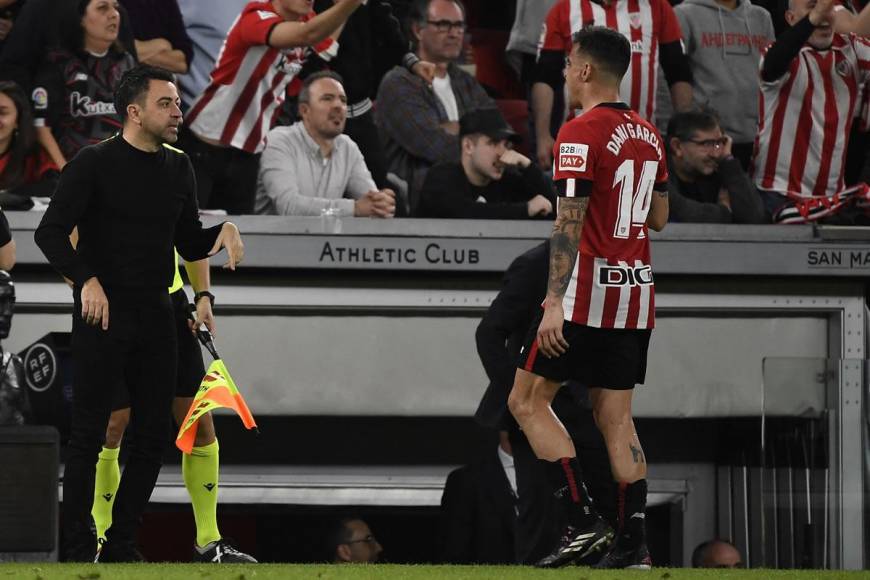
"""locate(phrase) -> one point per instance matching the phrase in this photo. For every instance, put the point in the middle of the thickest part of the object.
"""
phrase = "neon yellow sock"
(105, 487)
(200, 472)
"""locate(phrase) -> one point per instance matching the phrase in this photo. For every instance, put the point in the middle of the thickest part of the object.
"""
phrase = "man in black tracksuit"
(132, 198)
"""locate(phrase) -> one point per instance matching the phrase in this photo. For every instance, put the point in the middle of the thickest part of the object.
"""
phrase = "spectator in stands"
(810, 83)
(491, 180)
(499, 337)
(35, 32)
(522, 55)
(73, 98)
(259, 61)
(9, 10)
(206, 23)
(26, 169)
(653, 32)
(420, 122)
(161, 39)
(723, 40)
(716, 554)
(706, 183)
(352, 542)
(478, 509)
(371, 39)
(311, 166)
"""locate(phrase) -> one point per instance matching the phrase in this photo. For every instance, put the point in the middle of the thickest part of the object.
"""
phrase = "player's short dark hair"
(305, 92)
(134, 85)
(684, 125)
(609, 49)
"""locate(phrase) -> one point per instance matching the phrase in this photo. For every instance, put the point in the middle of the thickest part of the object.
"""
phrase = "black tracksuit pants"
(137, 351)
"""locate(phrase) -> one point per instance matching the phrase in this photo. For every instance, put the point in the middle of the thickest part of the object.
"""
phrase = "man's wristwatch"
(203, 294)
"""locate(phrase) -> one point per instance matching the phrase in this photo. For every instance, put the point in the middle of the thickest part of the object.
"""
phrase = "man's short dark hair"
(609, 49)
(305, 93)
(684, 125)
(339, 533)
(133, 85)
(419, 12)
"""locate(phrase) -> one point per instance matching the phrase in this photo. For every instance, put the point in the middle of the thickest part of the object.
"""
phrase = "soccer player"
(199, 468)
(132, 198)
(598, 314)
(654, 32)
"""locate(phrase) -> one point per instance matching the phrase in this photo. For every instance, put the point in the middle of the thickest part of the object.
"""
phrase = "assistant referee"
(133, 198)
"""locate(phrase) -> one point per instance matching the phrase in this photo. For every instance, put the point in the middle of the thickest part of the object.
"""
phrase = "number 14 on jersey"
(634, 198)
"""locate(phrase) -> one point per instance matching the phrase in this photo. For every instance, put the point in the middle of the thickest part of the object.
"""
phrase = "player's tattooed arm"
(565, 243)
(659, 210)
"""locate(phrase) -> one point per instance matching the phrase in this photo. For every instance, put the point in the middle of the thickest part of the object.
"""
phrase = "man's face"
(822, 36)
(161, 111)
(576, 71)
(442, 35)
(485, 153)
(701, 153)
(296, 8)
(325, 113)
(363, 546)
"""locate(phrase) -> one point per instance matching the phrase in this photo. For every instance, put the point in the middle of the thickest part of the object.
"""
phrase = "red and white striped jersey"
(250, 81)
(622, 156)
(646, 23)
(805, 118)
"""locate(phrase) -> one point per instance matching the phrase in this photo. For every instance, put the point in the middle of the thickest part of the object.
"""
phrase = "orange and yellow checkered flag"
(216, 390)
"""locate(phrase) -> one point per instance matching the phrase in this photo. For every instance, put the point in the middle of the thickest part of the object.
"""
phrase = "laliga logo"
(625, 276)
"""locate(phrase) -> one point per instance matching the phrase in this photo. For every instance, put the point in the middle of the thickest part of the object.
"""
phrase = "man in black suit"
(479, 510)
(499, 338)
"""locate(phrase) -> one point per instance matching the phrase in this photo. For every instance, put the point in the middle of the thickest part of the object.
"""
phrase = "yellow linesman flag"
(217, 390)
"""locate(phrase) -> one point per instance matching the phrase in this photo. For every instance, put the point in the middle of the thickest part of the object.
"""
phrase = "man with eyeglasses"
(419, 122)
(352, 542)
(707, 183)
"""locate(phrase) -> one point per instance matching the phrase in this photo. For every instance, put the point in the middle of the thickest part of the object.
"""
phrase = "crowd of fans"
(759, 127)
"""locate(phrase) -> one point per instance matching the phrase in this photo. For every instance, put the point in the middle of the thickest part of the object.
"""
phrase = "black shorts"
(610, 358)
(190, 369)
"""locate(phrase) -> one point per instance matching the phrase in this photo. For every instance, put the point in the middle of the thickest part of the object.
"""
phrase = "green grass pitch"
(157, 571)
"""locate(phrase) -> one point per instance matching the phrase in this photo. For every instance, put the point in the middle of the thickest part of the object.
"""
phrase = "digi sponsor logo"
(625, 276)
(572, 156)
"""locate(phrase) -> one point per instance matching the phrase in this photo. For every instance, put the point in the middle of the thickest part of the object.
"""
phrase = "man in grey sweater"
(723, 40)
(311, 166)
(706, 183)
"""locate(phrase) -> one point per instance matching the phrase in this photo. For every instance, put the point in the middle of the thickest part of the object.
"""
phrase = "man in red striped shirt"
(258, 64)
(654, 32)
(597, 317)
(811, 80)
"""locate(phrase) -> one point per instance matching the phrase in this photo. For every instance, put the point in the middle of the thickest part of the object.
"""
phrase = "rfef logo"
(572, 156)
(40, 367)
